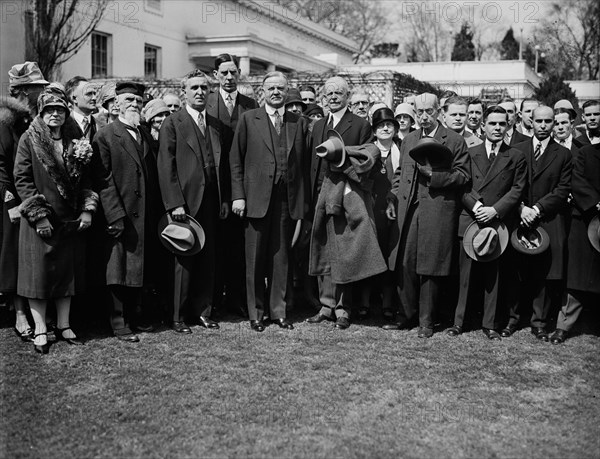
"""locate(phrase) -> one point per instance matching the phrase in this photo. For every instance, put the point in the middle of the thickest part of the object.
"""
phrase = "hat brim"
(593, 233)
(542, 234)
(333, 133)
(470, 233)
(194, 226)
(430, 151)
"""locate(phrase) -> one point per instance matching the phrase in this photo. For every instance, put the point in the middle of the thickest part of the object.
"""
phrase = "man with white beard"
(131, 202)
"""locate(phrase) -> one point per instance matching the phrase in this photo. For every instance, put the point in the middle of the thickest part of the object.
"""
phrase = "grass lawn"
(310, 392)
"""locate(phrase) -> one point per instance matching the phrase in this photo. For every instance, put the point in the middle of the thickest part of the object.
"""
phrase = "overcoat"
(548, 188)
(439, 201)
(51, 267)
(131, 193)
(584, 261)
(14, 120)
(344, 240)
(253, 163)
(500, 185)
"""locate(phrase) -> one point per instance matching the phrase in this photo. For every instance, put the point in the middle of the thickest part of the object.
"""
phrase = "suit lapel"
(344, 124)
(290, 132)
(126, 141)
(188, 127)
(262, 120)
(480, 159)
(440, 134)
(214, 137)
(498, 165)
(547, 158)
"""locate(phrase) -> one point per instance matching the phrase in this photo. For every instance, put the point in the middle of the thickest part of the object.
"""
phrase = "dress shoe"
(41, 348)
(342, 323)
(491, 334)
(128, 338)
(318, 318)
(26, 335)
(455, 330)
(181, 327)
(539, 333)
(558, 337)
(257, 325)
(425, 332)
(362, 314)
(388, 316)
(208, 323)
(395, 326)
(284, 323)
(74, 341)
(508, 331)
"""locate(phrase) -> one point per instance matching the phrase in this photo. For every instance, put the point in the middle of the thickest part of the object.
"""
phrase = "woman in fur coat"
(57, 205)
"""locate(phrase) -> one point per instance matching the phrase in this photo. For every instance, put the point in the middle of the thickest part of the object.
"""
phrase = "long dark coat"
(131, 193)
(344, 239)
(51, 267)
(439, 203)
(14, 120)
(549, 185)
(584, 261)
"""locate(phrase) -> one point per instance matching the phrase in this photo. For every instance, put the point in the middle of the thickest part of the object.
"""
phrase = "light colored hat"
(485, 242)
(594, 233)
(406, 109)
(107, 93)
(567, 105)
(26, 73)
(153, 108)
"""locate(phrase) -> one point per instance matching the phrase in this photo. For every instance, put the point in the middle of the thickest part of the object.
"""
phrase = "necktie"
(538, 152)
(229, 104)
(330, 122)
(135, 131)
(201, 124)
(493, 152)
(278, 122)
(85, 125)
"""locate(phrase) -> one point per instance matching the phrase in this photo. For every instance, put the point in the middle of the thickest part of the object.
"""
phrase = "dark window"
(151, 62)
(100, 54)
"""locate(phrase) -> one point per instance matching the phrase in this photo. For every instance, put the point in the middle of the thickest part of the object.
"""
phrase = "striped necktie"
(229, 104)
(201, 124)
(492, 156)
(278, 122)
(538, 152)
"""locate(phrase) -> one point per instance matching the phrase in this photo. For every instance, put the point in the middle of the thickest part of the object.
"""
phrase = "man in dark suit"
(528, 105)
(131, 202)
(591, 118)
(564, 124)
(194, 179)
(511, 136)
(474, 117)
(83, 96)
(354, 130)
(498, 180)
(425, 206)
(227, 106)
(583, 273)
(270, 190)
(545, 203)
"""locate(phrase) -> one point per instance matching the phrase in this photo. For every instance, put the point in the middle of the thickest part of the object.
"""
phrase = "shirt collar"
(488, 146)
(510, 132)
(432, 133)
(79, 117)
(544, 143)
(224, 95)
(271, 110)
(195, 113)
(337, 116)
(526, 131)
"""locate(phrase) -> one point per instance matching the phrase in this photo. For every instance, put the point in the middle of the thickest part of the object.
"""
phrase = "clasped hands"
(44, 228)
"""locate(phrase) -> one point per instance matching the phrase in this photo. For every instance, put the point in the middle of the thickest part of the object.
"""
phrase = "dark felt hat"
(485, 242)
(594, 233)
(333, 149)
(382, 115)
(313, 109)
(294, 97)
(130, 87)
(530, 241)
(181, 238)
(432, 151)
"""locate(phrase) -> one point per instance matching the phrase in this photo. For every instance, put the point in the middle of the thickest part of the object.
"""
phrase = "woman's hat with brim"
(153, 108)
(52, 98)
(313, 109)
(107, 93)
(333, 149)
(406, 109)
(594, 233)
(28, 73)
(294, 97)
(530, 241)
(432, 151)
(181, 238)
(485, 242)
(382, 115)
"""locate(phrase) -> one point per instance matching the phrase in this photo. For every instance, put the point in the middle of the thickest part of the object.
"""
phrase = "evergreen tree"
(464, 49)
(552, 89)
(509, 47)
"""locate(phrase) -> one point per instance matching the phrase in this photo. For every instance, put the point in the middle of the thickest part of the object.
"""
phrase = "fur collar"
(14, 114)
(52, 159)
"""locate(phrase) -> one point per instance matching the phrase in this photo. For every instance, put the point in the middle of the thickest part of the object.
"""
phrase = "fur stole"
(52, 160)
(14, 115)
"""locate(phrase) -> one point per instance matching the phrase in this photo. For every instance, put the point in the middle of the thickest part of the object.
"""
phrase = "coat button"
(138, 194)
(135, 215)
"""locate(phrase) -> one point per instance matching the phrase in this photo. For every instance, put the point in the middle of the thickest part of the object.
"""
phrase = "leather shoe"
(318, 318)
(558, 337)
(129, 338)
(539, 333)
(26, 335)
(394, 326)
(508, 331)
(208, 323)
(425, 332)
(342, 323)
(181, 327)
(362, 314)
(257, 325)
(491, 334)
(283, 323)
(74, 341)
(41, 348)
(455, 330)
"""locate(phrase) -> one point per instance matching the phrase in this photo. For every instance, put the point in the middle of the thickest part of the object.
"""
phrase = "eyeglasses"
(429, 111)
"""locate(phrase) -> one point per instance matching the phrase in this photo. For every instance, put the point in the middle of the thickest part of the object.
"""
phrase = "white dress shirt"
(271, 112)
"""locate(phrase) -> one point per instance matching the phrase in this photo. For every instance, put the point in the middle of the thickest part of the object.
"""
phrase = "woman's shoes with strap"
(25, 335)
(74, 341)
(41, 348)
